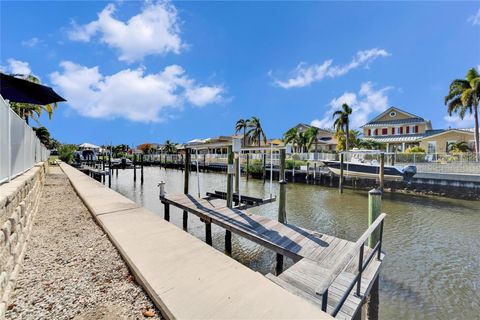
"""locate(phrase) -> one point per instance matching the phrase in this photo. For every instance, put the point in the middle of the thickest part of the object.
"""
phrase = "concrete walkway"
(184, 276)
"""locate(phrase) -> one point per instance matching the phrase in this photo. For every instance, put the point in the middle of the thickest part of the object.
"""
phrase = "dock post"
(340, 179)
(134, 167)
(208, 232)
(374, 209)
(141, 169)
(282, 214)
(248, 163)
(228, 234)
(264, 166)
(185, 184)
(237, 175)
(382, 170)
(315, 173)
(110, 170)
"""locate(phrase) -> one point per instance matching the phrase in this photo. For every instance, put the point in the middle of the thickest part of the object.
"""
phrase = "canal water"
(432, 268)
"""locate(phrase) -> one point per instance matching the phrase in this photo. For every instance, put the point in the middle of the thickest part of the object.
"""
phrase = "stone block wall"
(19, 200)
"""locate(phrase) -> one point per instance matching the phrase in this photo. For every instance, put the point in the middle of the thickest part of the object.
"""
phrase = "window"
(393, 114)
(369, 132)
(432, 147)
(408, 129)
(393, 130)
(376, 132)
(401, 130)
(384, 131)
(449, 144)
(416, 129)
(412, 129)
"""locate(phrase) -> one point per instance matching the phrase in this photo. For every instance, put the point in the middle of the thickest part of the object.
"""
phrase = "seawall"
(19, 200)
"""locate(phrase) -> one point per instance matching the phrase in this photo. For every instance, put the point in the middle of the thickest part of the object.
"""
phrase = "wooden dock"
(326, 268)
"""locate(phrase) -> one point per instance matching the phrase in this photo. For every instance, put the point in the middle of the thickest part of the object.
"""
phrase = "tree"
(256, 132)
(297, 138)
(353, 139)
(242, 124)
(44, 136)
(370, 144)
(169, 147)
(464, 96)
(458, 147)
(311, 135)
(29, 110)
(342, 122)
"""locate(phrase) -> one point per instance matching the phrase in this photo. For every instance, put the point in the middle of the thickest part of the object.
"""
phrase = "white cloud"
(32, 42)
(456, 122)
(363, 104)
(130, 94)
(304, 74)
(475, 19)
(17, 67)
(155, 30)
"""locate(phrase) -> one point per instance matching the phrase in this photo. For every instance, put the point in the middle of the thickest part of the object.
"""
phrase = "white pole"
(198, 173)
(239, 176)
(271, 168)
(9, 141)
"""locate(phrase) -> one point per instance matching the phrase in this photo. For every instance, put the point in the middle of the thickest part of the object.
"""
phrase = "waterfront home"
(400, 130)
(326, 141)
(396, 128)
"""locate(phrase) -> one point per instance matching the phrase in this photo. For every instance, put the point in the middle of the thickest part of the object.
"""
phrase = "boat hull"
(364, 171)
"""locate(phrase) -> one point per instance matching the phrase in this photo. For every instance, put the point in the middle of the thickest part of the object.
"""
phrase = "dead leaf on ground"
(149, 313)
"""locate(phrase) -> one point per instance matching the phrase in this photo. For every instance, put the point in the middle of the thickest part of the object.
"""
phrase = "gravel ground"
(71, 269)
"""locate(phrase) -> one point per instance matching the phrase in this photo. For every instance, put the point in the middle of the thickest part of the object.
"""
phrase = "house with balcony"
(326, 141)
(397, 129)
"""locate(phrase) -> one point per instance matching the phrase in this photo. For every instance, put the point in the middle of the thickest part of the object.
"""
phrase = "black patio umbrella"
(19, 90)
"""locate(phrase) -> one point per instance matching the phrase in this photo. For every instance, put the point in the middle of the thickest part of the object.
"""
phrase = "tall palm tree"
(342, 122)
(256, 131)
(242, 124)
(312, 134)
(169, 147)
(464, 96)
(290, 136)
(29, 110)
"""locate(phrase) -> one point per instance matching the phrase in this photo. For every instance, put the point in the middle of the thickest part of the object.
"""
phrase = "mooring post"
(185, 184)
(374, 209)
(134, 167)
(315, 173)
(237, 173)
(110, 170)
(248, 163)
(141, 169)
(382, 170)
(282, 199)
(264, 167)
(230, 172)
(340, 179)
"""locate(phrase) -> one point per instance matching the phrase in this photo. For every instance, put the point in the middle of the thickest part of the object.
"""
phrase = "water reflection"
(432, 244)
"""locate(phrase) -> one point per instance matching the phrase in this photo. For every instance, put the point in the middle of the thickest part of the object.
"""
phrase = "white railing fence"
(20, 149)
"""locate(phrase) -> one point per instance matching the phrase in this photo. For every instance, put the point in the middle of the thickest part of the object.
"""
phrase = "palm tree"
(256, 131)
(43, 134)
(242, 124)
(464, 96)
(169, 147)
(311, 134)
(29, 110)
(458, 147)
(290, 136)
(342, 122)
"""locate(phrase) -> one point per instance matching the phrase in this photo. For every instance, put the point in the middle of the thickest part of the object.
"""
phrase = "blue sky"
(136, 72)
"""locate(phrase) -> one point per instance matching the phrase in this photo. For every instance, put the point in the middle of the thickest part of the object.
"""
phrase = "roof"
(412, 116)
(310, 126)
(438, 132)
(88, 145)
(397, 138)
(393, 122)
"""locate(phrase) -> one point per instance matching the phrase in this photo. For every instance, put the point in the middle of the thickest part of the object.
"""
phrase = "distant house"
(397, 129)
(326, 141)
(400, 130)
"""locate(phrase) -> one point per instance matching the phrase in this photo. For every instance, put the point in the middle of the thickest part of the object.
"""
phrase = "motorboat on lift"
(363, 165)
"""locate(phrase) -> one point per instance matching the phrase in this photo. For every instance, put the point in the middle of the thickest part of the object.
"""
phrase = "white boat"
(361, 167)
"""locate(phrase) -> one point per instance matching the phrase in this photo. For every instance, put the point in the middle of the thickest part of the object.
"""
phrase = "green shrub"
(255, 166)
(415, 149)
(66, 152)
(290, 164)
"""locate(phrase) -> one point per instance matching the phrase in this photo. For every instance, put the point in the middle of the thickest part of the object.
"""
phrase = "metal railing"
(362, 265)
(20, 149)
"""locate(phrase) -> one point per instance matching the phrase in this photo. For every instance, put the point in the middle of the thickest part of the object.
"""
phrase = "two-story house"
(397, 129)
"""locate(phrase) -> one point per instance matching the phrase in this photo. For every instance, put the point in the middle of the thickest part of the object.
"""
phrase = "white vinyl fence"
(20, 149)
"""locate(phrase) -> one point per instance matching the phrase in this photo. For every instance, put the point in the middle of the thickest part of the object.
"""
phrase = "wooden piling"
(340, 179)
(382, 170)
(141, 169)
(208, 232)
(167, 212)
(134, 167)
(228, 234)
(282, 199)
(374, 210)
(110, 171)
(185, 184)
